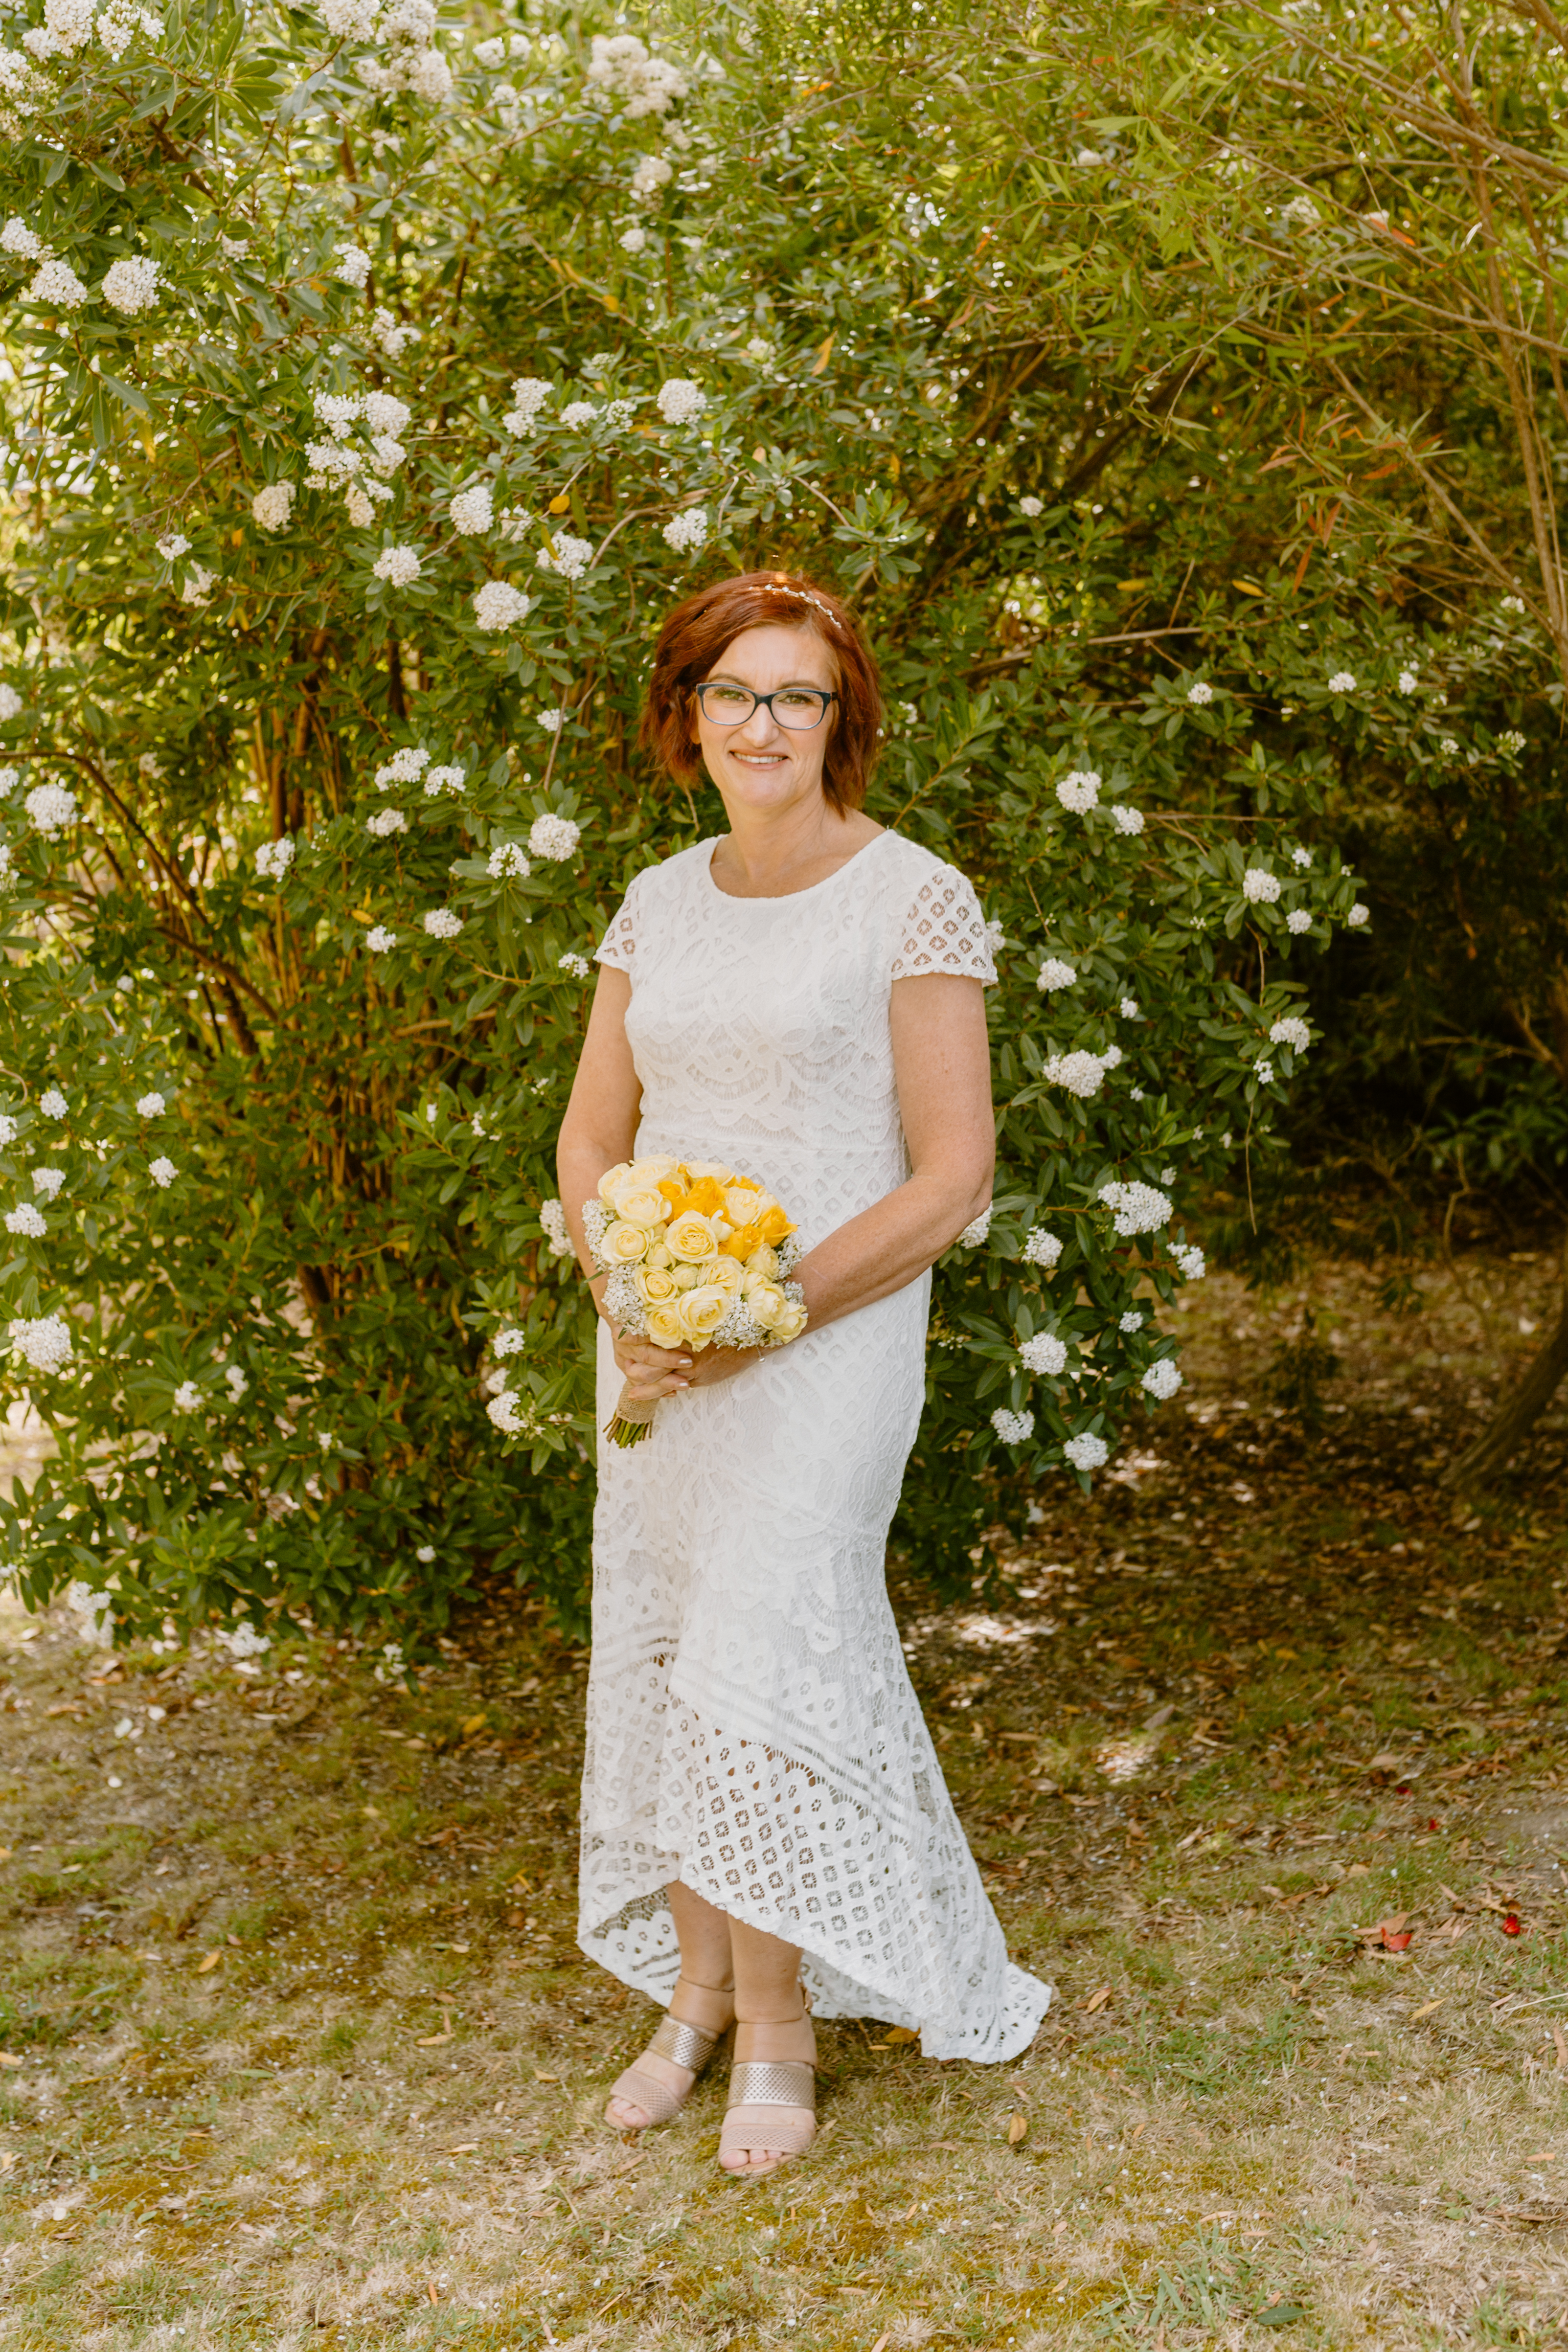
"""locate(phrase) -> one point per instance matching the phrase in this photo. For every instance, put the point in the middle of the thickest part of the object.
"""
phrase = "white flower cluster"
(1130, 1322)
(406, 32)
(197, 584)
(508, 864)
(1358, 916)
(273, 505)
(568, 556)
(687, 531)
(390, 335)
(1127, 820)
(529, 394)
(1188, 1260)
(499, 605)
(1510, 741)
(10, 702)
(131, 286)
(162, 1173)
(444, 780)
(69, 25)
(1055, 974)
(441, 923)
(273, 859)
(44, 1341)
(20, 86)
(555, 837)
(1293, 1033)
(1136, 1208)
(1342, 682)
(681, 402)
(1045, 1355)
(1162, 1379)
(25, 1221)
(50, 808)
(552, 1217)
(1081, 1073)
(1079, 790)
(1298, 920)
(1200, 692)
(1259, 887)
(1408, 681)
(577, 965)
(1012, 1428)
(634, 240)
(352, 266)
(95, 1611)
(188, 1397)
(398, 566)
(1031, 507)
(406, 765)
(975, 1231)
(1264, 1073)
(151, 1106)
(552, 721)
(47, 1182)
(172, 545)
(622, 67)
(386, 821)
(379, 941)
(1086, 1451)
(244, 1641)
(52, 1103)
(655, 172)
(56, 284)
(1041, 1248)
(472, 510)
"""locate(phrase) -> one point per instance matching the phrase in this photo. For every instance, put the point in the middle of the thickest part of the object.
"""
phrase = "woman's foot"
(657, 2086)
(772, 2114)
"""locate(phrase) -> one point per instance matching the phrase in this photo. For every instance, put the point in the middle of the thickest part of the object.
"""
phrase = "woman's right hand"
(652, 1372)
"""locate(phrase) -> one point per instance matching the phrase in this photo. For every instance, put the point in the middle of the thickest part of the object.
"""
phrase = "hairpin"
(782, 588)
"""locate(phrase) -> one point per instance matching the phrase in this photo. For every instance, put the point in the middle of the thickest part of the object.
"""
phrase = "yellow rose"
(691, 1237)
(612, 1180)
(726, 1273)
(655, 1286)
(665, 1327)
(697, 1169)
(767, 1303)
(741, 1203)
(658, 1255)
(763, 1260)
(650, 1167)
(702, 1310)
(792, 1323)
(640, 1204)
(773, 1224)
(685, 1277)
(623, 1244)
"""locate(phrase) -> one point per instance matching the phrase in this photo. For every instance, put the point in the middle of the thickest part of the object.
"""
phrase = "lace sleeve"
(944, 930)
(619, 945)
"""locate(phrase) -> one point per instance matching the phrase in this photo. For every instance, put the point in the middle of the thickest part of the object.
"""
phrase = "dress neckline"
(783, 897)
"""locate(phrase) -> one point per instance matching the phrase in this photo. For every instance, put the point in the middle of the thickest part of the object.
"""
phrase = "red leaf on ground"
(1510, 1926)
(1397, 1942)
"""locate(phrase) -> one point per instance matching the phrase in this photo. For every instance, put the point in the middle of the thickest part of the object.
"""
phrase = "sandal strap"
(773, 2082)
(684, 2045)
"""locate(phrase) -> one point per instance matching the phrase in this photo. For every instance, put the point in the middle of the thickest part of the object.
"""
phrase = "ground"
(1263, 1751)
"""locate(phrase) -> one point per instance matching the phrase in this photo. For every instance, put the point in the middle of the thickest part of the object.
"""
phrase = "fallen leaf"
(432, 2292)
(1562, 2045)
(897, 2033)
(1429, 2006)
(8, 2159)
(475, 1723)
(1386, 1763)
(429, 2040)
(1359, 1870)
(881, 2345)
(1510, 1926)
(463, 2147)
(545, 2078)
(1137, 2131)
(211, 1961)
(1016, 2129)
(1279, 2314)
(1096, 2001)
(7, 2060)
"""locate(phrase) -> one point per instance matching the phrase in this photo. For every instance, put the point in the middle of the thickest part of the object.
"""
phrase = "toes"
(624, 2116)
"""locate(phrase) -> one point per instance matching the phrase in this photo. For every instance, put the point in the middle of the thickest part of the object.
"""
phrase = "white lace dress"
(752, 1729)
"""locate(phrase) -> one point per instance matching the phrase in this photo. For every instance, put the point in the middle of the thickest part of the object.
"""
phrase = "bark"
(1517, 1416)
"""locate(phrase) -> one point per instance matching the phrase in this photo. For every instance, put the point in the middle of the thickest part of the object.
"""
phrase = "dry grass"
(307, 2055)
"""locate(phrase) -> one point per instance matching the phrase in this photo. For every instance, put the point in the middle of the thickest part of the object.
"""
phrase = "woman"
(800, 998)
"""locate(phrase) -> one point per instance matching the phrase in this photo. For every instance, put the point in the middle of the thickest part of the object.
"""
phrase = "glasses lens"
(799, 710)
(726, 705)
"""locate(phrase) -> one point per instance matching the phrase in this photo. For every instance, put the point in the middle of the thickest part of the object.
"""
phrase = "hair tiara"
(782, 588)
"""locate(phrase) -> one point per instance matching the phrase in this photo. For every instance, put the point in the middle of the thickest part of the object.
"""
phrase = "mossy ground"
(297, 2048)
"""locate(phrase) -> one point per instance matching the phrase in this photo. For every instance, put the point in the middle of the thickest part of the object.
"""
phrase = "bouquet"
(698, 1257)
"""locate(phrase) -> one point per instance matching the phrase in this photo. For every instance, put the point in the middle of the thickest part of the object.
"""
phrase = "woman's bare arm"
(942, 1059)
(601, 1122)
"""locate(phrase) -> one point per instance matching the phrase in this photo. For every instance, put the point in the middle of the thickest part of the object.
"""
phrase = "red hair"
(695, 635)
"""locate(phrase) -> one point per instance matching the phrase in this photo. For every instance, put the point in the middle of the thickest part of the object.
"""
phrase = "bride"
(766, 1833)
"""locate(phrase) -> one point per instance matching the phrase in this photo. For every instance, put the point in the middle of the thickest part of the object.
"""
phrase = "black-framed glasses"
(798, 708)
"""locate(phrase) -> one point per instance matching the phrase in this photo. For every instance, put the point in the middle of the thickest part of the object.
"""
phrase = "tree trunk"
(1518, 1415)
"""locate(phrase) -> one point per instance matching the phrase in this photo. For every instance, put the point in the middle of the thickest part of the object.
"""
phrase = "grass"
(298, 2050)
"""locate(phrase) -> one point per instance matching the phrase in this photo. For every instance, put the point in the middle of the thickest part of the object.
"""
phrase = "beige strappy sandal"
(760, 2089)
(691, 2046)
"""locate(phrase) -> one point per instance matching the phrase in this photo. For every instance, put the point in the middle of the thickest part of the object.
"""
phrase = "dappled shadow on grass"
(1259, 1780)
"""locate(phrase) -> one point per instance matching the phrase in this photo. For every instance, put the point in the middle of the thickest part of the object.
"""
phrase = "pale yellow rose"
(792, 1323)
(727, 1274)
(650, 1167)
(655, 1286)
(640, 1204)
(665, 1327)
(763, 1260)
(761, 1202)
(623, 1244)
(702, 1310)
(685, 1277)
(691, 1237)
(611, 1181)
(740, 1203)
(658, 1255)
(767, 1304)
(698, 1169)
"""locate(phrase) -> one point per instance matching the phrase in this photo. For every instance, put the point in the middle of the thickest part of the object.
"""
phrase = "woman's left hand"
(712, 1365)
